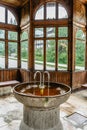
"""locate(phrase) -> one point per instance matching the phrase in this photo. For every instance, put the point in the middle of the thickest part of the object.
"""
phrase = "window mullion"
(6, 15)
(45, 48)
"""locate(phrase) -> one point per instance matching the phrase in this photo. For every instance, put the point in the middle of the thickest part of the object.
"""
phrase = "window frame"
(83, 41)
(22, 41)
(51, 23)
(9, 27)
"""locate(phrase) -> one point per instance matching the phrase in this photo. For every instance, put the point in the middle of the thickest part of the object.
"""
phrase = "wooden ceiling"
(15, 3)
(20, 3)
(84, 1)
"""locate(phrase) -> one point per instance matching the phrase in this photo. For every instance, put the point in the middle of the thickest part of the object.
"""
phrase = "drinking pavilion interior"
(44, 35)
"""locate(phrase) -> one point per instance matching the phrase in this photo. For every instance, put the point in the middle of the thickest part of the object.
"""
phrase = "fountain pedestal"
(41, 112)
(41, 119)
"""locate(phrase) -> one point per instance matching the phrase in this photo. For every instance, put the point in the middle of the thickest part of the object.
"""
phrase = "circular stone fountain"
(41, 106)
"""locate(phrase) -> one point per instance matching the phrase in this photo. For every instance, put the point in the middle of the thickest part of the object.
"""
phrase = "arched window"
(2, 14)
(53, 11)
(51, 39)
(62, 12)
(8, 46)
(40, 13)
(11, 18)
(24, 50)
(6, 13)
(80, 50)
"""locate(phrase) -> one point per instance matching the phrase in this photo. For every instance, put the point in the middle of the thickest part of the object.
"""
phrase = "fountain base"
(41, 119)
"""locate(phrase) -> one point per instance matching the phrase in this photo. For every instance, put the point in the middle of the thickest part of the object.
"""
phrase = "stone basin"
(41, 106)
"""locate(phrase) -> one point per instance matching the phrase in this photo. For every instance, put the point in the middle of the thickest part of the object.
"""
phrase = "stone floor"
(11, 110)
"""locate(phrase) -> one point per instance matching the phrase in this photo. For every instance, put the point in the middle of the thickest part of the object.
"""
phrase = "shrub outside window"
(80, 50)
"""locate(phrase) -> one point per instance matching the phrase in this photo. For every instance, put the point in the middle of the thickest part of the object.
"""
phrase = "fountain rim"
(36, 96)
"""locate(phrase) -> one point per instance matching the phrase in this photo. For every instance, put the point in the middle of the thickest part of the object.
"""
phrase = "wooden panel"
(14, 74)
(15, 3)
(1, 75)
(24, 75)
(79, 12)
(25, 15)
(8, 74)
(5, 75)
(63, 77)
(75, 80)
(79, 78)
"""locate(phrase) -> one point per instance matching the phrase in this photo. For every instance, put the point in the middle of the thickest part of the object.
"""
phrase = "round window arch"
(51, 37)
(7, 16)
(53, 11)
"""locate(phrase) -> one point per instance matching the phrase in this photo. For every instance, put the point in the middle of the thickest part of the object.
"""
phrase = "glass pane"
(2, 34)
(51, 10)
(50, 32)
(11, 18)
(80, 35)
(38, 54)
(24, 54)
(50, 54)
(40, 13)
(39, 32)
(80, 55)
(12, 35)
(62, 54)
(63, 32)
(12, 54)
(24, 36)
(62, 12)
(2, 14)
(2, 54)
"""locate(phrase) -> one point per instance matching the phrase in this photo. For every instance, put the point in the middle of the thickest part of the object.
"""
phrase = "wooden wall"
(55, 76)
(79, 12)
(75, 81)
(9, 74)
(25, 15)
(78, 79)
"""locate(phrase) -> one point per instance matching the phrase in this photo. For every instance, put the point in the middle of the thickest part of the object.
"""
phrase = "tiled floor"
(11, 110)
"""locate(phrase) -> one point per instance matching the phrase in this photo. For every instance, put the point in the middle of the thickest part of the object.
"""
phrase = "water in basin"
(43, 91)
(31, 89)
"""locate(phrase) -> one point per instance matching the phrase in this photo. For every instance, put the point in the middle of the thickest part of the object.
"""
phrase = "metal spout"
(36, 75)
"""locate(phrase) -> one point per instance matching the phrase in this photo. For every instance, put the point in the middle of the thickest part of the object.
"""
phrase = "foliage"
(39, 53)
(12, 49)
(24, 36)
(80, 53)
(62, 51)
(50, 51)
(24, 50)
(50, 48)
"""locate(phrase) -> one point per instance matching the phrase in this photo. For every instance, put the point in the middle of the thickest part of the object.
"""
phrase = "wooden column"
(6, 49)
(86, 41)
(71, 45)
(19, 51)
(31, 40)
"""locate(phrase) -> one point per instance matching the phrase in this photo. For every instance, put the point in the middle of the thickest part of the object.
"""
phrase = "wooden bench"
(8, 79)
(6, 87)
(84, 85)
(9, 83)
